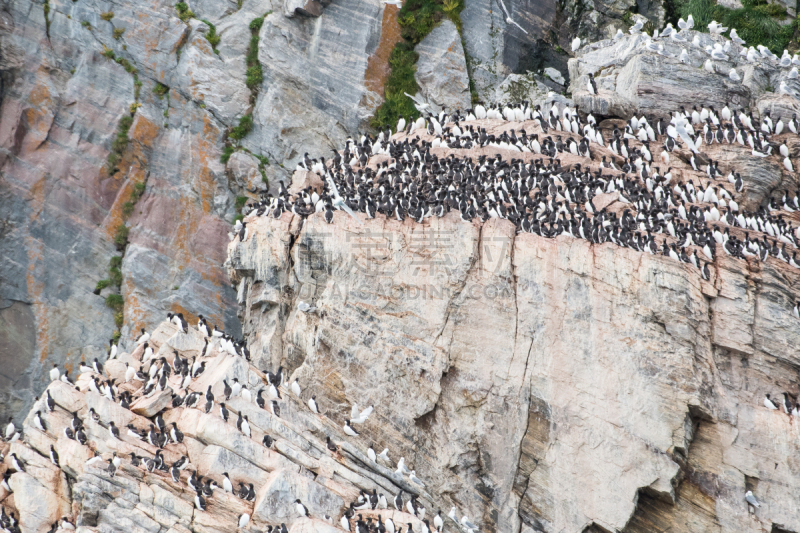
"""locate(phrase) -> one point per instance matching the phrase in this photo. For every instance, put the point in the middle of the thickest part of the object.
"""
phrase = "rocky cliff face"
(535, 384)
(72, 72)
(511, 370)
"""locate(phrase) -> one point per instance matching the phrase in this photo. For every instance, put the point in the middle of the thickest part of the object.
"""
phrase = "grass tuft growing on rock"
(118, 33)
(102, 284)
(227, 152)
(184, 13)
(757, 22)
(107, 16)
(245, 125)
(121, 237)
(115, 276)
(160, 89)
(211, 36)
(120, 142)
(254, 72)
(115, 301)
(416, 18)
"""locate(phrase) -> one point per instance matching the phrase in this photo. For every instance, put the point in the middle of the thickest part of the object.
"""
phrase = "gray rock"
(631, 79)
(313, 94)
(555, 75)
(516, 88)
(308, 8)
(244, 170)
(441, 69)
(275, 500)
(484, 30)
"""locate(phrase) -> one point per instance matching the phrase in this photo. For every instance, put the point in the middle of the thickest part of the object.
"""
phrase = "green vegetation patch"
(757, 22)
(245, 125)
(227, 152)
(254, 72)
(184, 13)
(107, 16)
(416, 18)
(118, 33)
(160, 89)
(121, 237)
(211, 36)
(120, 142)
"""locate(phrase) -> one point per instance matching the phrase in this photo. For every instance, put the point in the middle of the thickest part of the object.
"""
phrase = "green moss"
(238, 217)
(109, 53)
(121, 237)
(86, 24)
(137, 87)
(245, 125)
(102, 284)
(116, 262)
(107, 16)
(757, 22)
(118, 33)
(227, 152)
(240, 201)
(211, 36)
(117, 334)
(119, 318)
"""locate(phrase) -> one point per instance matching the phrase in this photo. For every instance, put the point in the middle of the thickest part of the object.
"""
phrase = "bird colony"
(653, 184)
(183, 434)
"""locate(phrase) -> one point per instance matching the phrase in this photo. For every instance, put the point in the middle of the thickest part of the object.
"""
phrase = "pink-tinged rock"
(151, 406)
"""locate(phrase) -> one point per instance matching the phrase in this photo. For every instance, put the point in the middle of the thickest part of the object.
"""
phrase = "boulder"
(304, 178)
(441, 68)
(244, 170)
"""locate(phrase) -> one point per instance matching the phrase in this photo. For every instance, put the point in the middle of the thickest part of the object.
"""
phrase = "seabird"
(348, 429)
(769, 403)
(312, 404)
(17, 463)
(331, 446)
(38, 422)
(54, 456)
(751, 499)
(301, 509)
